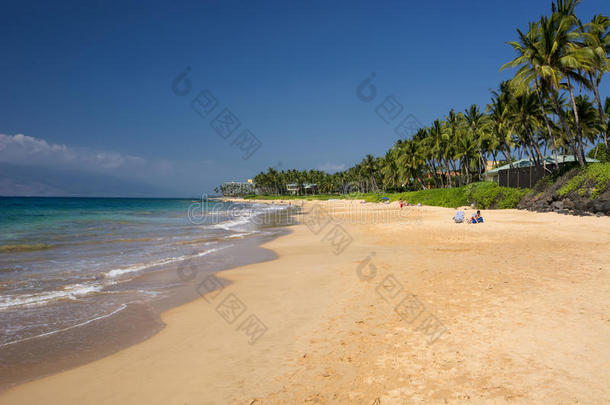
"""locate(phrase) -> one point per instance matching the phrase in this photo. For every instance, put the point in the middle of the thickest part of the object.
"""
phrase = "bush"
(599, 153)
(484, 194)
(591, 180)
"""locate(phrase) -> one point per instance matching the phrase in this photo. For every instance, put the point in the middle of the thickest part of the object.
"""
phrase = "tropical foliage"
(552, 106)
(235, 189)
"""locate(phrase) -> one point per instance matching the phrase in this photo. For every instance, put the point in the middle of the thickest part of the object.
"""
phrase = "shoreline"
(504, 291)
(130, 324)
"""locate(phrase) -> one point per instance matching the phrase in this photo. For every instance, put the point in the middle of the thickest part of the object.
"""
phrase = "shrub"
(593, 179)
(599, 153)
(484, 194)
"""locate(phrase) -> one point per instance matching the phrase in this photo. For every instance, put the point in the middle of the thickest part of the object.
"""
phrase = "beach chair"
(458, 218)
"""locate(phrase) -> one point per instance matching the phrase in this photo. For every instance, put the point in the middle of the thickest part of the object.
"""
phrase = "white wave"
(138, 267)
(73, 292)
(232, 225)
(122, 307)
(247, 217)
(240, 235)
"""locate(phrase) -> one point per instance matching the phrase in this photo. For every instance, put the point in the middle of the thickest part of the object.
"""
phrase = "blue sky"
(90, 86)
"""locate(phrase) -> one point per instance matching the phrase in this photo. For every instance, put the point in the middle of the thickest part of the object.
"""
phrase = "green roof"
(548, 159)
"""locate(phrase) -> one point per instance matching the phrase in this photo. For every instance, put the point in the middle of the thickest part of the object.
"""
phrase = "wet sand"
(133, 322)
(414, 309)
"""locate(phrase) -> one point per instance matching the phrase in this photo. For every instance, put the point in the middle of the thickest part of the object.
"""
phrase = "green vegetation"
(599, 153)
(551, 106)
(591, 181)
(483, 194)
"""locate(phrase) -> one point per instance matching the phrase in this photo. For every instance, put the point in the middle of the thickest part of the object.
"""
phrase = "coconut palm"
(598, 39)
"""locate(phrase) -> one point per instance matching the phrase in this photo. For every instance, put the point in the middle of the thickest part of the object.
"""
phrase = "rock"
(568, 204)
(599, 214)
(594, 205)
(557, 205)
(564, 212)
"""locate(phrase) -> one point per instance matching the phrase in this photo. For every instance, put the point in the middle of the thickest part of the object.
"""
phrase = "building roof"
(549, 161)
(305, 185)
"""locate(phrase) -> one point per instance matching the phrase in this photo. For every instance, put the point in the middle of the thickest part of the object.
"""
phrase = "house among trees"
(525, 172)
(305, 188)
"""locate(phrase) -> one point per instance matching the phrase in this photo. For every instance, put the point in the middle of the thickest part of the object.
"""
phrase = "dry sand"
(415, 309)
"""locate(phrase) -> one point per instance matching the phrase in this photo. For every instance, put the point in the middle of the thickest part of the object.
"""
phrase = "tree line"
(551, 106)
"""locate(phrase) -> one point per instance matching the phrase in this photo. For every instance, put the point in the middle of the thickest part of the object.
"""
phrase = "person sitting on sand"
(476, 218)
(479, 217)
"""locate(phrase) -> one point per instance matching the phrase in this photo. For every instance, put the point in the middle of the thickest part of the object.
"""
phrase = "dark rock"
(594, 205)
(568, 204)
(557, 205)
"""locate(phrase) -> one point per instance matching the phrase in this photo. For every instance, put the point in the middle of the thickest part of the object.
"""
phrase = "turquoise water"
(64, 261)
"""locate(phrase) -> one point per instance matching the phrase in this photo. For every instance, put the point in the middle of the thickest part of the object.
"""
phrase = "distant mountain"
(20, 180)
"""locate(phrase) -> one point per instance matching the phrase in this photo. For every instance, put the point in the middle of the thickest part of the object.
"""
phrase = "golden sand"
(415, 309)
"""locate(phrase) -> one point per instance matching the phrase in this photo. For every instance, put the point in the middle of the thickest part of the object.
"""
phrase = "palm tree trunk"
(535, 148)
(579, 135)
(541, 157)
(564, 125)
(440, 175)
(507, 155)
(602, 115)
(548, 126)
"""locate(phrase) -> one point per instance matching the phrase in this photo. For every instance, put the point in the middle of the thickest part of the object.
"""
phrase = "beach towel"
(459, 217)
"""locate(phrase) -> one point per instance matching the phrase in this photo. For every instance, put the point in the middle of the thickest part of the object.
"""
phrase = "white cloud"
(13, 147)
(23, 149)
(332, 167)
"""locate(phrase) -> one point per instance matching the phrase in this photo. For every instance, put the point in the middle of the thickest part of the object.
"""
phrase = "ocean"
(68, 266)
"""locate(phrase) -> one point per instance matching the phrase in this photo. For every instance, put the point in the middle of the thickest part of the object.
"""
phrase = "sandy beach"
(368, 304)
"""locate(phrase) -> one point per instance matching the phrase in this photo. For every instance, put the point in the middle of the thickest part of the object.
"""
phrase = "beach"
(370, 304)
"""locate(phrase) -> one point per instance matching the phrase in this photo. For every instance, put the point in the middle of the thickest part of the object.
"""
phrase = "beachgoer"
(479, 217)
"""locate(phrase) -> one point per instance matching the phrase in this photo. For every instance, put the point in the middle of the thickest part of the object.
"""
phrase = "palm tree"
(502, 126)
(478, 125)
(589, 119)
(598, 39)
(389, 167)
(410, 162)
(368, 169)
(572, 55)
(533, 54)
(526, 114)
(433, 145)
(453, 123)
